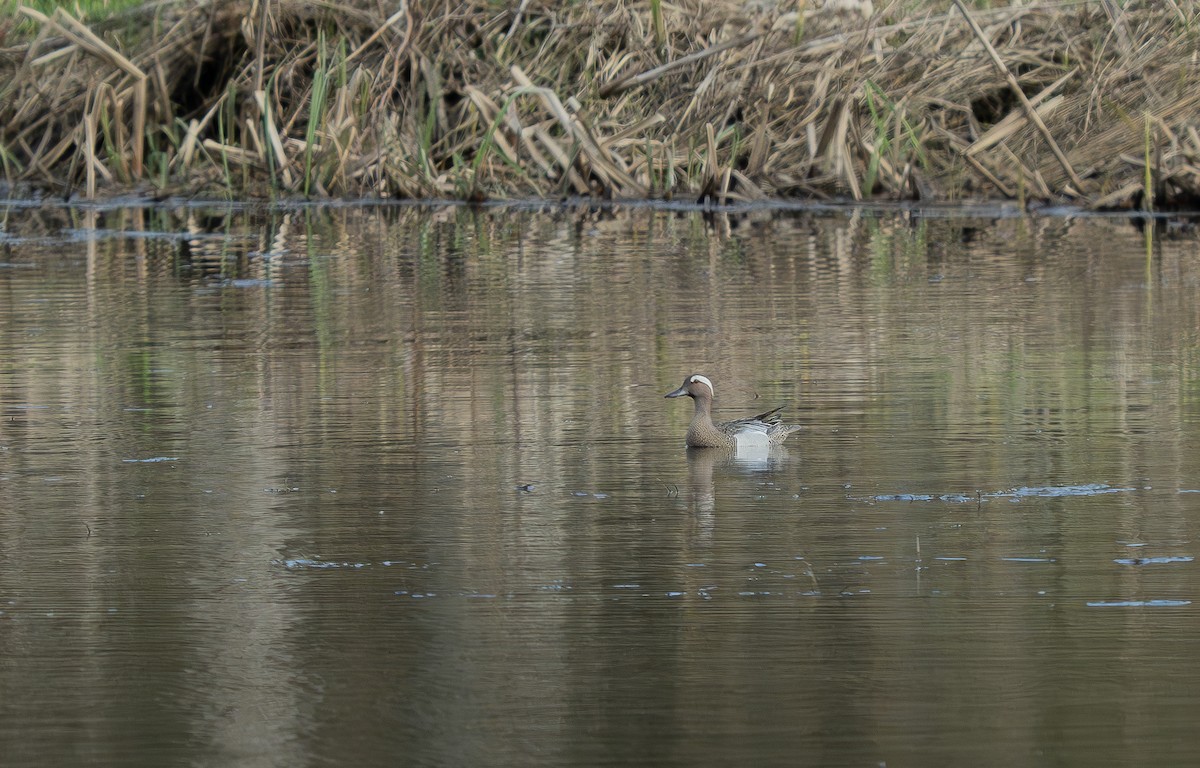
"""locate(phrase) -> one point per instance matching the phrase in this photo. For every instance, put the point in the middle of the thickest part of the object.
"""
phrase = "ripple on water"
(1137, 603)
(314, 564)
(951, 498)
(1089, 489)
(1154, 560)
(300, 564)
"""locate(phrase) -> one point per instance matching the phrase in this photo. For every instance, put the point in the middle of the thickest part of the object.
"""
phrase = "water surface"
(337, 486)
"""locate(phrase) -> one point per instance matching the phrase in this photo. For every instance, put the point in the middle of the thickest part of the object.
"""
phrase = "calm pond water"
(398, 485)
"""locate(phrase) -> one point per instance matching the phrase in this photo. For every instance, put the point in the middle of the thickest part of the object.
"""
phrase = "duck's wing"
(779, 432)
(762, 422)
(770, 417)
(763, 429)
(751, 424)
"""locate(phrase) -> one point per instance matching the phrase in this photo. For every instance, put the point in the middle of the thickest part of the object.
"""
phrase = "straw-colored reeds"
(715, 101)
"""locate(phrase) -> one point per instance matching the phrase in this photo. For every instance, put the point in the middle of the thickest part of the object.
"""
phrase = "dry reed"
(714, 101)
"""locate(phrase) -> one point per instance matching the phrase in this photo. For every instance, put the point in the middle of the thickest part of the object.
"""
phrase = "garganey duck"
(763, 430)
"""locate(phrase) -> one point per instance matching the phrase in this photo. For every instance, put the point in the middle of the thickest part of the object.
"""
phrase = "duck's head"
(694, 386)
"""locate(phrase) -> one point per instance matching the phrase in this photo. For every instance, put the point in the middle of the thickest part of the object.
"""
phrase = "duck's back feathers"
(765, 423)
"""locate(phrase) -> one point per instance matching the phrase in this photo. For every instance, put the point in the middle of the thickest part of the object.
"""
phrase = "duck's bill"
(677, 393)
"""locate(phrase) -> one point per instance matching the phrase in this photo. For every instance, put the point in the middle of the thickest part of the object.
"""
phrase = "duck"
(763, 430)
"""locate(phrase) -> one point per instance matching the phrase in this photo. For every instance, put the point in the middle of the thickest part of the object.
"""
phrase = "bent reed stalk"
(714, 101)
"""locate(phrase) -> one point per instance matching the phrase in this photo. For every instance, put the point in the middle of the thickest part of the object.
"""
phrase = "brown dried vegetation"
(717, 101)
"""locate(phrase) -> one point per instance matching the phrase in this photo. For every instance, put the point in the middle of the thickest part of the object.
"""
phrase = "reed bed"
(1086, 102)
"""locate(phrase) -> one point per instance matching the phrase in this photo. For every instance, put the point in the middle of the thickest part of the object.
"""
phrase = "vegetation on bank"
(1086, 102)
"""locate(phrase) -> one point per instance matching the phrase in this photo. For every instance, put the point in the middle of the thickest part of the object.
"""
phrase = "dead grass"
(717, 101)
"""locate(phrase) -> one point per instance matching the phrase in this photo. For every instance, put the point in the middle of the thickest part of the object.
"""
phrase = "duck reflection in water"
(748, 445)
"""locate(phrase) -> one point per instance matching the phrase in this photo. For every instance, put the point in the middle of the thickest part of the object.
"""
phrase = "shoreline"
(985, 209)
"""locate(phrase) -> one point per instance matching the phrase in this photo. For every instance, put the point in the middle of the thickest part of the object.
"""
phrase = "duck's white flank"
(704, 380)
(752, 435)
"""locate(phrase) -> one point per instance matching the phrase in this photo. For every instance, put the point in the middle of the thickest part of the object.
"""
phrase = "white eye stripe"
(704, 380)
